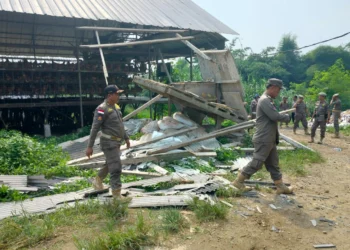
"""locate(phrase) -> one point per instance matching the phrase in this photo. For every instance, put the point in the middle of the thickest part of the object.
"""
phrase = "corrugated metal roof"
(183, 14)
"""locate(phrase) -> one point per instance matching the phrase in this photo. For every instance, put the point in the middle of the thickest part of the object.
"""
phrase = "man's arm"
(272, 113)
(99, 117)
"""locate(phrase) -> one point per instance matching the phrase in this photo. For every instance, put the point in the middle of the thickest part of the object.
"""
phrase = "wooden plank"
(129, 29)
(324, 246)
(144, 106)
(295, 143)
(122, 148)
(195, 49)
(114, 45)
(159, 169)
(234, 100)
(160, 201)
(222, 132)
(145, 175)
(251, 150)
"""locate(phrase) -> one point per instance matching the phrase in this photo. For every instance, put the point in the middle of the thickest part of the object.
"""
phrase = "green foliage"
(293, 162)
(227, 192)
(173, 221)
(208, 121)
(227, 154)
(247, 141)
(20, 154)
(181, 71)
(7, 194)
(134, 237)
(228, 123)
(130, 178)
(162, 185)
(136, 136)
(207, 212)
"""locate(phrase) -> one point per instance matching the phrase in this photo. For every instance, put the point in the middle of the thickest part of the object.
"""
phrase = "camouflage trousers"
(315, 125)
(264, 153)
(299, 118)
(113, 164)
(336, 116)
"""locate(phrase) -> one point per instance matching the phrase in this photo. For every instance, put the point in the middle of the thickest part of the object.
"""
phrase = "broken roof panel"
(183, 14)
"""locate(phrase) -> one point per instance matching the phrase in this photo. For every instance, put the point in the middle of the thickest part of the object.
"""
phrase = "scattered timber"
(176, 133)
(295, 143)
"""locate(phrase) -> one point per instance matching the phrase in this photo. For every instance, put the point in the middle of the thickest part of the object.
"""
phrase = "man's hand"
(127, 143)
(89, 152)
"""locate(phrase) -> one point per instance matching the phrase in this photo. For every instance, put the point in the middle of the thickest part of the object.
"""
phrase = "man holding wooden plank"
(266, 139)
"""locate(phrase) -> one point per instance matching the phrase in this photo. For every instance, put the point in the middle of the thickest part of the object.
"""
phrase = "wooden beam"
(147, 158)
(195, 49)
(129, 29)
(176, 133)
(221, 132)
(144, 106)
(251, 150)
(295, 143)
(113, 45)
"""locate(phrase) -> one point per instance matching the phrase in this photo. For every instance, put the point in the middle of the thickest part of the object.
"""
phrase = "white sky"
(262, 23)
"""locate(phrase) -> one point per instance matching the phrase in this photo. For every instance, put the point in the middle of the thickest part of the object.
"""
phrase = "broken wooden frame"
(113, 45)
(144, 106)
(180, 132)
(194, 48)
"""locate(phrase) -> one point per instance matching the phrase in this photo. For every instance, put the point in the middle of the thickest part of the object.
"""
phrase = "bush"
(7, 194)
(20, 154)
(173, 221)
(227, 154)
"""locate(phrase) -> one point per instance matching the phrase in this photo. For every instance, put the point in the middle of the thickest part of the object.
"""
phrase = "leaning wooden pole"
(144, 106)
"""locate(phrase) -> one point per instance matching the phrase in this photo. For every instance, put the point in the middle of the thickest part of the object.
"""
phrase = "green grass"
(343, 130)
(227, 192)
(68, 137)
(293, 162)
(173, 221)
(192, 163)
(206, 212)
(136, 136)
(132, 237)
(29, 230)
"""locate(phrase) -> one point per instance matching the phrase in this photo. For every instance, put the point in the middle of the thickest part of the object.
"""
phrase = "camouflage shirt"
(267, 117)
(321, 111)
(336, 105)
(109, 119)
(300, 108)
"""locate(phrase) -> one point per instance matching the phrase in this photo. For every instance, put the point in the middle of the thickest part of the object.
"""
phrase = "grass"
(136, 136)
(206, 212)
(227, 154)
(293, 162)
(228, 192)
(29, 230)
(132, 237)
(173, 221)
(343, 130)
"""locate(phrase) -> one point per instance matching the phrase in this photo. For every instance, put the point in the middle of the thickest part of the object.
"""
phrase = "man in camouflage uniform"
(321, 117)
(300, 115)
(266, 139)
(284, 105)
(295, 98)
(109, 119)
(336, 110)
(253, 106)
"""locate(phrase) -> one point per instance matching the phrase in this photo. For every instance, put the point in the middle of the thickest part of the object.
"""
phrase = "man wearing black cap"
(336, 104)
(284, 105)
(301, 112)
(265, 140)
(321, 117)
(109, 119)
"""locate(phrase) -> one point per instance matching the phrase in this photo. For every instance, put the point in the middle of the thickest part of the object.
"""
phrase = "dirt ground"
(323, 193)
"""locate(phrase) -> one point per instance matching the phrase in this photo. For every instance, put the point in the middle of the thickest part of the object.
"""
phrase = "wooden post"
(79, 79)
(144, 106)
(195, 49)
(105, 72)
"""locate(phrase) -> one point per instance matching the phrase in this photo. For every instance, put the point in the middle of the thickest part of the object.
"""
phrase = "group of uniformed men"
(320, 116)
(108, 118)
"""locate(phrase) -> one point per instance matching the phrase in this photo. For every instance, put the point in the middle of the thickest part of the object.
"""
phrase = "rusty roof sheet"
(183, 14)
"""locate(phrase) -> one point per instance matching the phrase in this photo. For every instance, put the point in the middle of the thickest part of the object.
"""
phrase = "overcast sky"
(262, 23)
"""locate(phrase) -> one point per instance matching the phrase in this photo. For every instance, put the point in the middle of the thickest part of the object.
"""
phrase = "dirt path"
(325, 192)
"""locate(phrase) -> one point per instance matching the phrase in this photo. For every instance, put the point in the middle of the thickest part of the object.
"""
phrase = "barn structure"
(50, 74)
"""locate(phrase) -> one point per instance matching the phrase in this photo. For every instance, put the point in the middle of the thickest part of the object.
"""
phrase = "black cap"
(112, 89)
(275, 82)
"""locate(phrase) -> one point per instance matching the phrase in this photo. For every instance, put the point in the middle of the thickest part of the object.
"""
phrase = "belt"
(111, 137)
